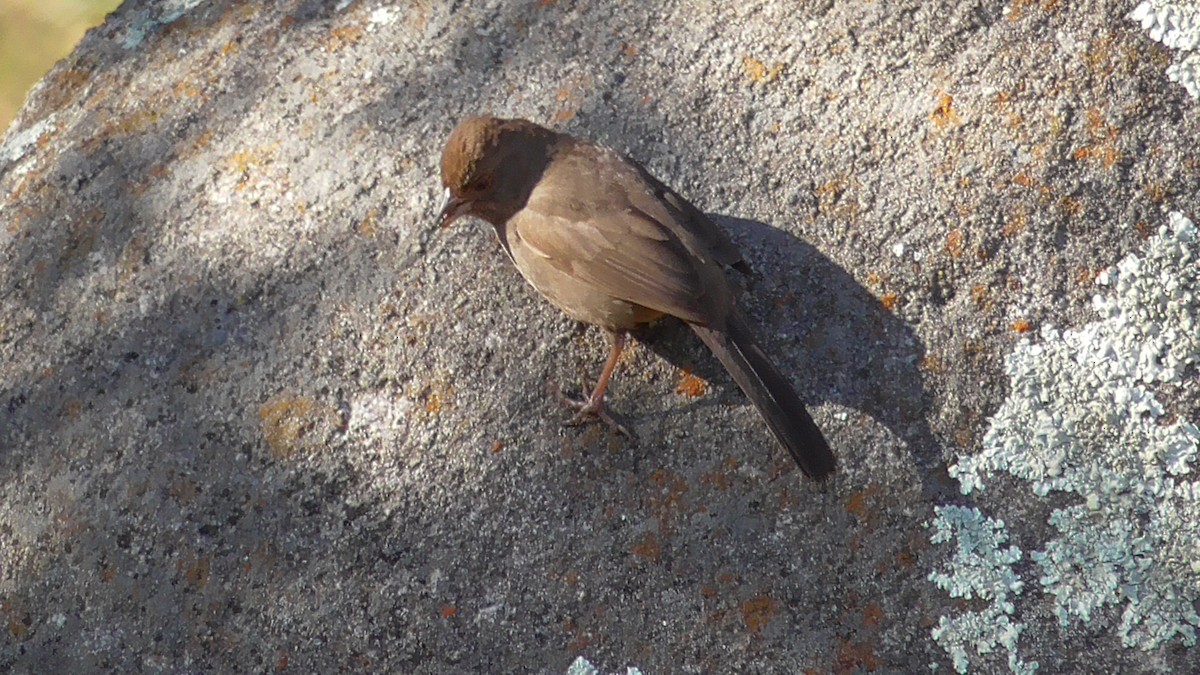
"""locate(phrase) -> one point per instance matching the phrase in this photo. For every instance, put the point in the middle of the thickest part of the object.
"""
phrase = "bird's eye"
(480, 184)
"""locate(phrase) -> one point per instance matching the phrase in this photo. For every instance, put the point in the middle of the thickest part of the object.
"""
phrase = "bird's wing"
(621, 251)
(664, 204)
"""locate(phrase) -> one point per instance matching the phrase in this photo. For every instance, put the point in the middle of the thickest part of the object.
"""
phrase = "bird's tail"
(737, 349)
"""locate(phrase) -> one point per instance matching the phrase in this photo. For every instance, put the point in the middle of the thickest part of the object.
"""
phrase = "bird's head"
(489, 167)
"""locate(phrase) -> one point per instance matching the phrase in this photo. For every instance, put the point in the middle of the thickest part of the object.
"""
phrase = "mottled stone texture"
(256, 415)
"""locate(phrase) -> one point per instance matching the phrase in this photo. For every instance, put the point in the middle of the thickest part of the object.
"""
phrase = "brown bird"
(612, 246)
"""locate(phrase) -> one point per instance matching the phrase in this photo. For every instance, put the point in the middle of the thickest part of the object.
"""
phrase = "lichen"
(1081, 420)
(981, 568)
(581, 666)
(1177, 26)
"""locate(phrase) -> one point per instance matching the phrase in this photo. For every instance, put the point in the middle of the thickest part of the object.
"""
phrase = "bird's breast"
(577, 298)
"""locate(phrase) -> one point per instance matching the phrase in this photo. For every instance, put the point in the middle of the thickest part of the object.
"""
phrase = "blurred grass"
(34, 35)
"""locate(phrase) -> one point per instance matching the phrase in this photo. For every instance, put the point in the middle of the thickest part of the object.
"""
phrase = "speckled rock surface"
(256, 415)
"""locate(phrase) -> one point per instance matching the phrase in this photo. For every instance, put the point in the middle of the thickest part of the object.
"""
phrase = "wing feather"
(625, 254)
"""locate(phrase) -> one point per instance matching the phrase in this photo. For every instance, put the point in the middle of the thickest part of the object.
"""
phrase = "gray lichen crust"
(1082, 419)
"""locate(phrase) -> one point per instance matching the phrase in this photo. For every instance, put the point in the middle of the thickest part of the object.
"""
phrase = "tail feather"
(737, 349)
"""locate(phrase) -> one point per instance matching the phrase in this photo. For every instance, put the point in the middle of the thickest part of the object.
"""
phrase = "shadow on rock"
(829, 333)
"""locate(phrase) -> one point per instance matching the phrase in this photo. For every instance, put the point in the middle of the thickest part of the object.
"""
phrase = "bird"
(612, 246)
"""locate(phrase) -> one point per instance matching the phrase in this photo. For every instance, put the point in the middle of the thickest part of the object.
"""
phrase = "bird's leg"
(593, 406)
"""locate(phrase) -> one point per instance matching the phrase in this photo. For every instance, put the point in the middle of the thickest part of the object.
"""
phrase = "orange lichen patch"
(954, 243)
(62, 85)
(1018, 8)
(690, 385)
(667, 501)
(341, 36)
(1015, 225)
(861, 504)
(722, 477)
(943, 114)
(1109, 156)
(1157, 192)
(829, 193)
(369, 225)
(134, 123)
(497, 446)
(292, 424)
(183, 490)
(543, 4)
(437, 396)
(231, 47)
(23, 213)
(152, 175)
(1070, 206)
(201, 142)
(581, 638)
(569, 99)
(932, 363)
(564, 114)
(449, 611)
(855, 657)
(1024, 180)
(243, 161)
(1081, 154)
(758, 72)
(964, 437)
(1021, 326)
(194, 569)
(72, 409)
(874, 280)
(629, 51)
(872, 615)
(1144, 230)
(648, 547)
(979, 295)
(890, 301)
(187, 89)
(82, 237)
(758, 611)
(1098, 56)
(1098, 127)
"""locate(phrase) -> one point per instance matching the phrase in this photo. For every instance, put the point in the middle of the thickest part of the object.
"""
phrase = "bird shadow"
(829, 334)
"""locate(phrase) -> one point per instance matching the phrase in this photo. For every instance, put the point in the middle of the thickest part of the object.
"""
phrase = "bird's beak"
(452, 208)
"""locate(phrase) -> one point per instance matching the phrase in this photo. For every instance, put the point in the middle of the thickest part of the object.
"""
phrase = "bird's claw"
(588, 411)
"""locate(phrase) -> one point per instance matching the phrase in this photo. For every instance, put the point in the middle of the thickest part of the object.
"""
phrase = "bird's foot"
(588, 410)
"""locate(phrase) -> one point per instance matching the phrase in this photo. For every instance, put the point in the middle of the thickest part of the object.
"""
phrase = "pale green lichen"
(581, 666)
(146, 22)
(1080, 420)
(981, 568)
(1176, 25)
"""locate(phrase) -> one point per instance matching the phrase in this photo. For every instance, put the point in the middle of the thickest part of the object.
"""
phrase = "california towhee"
(612, 246)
